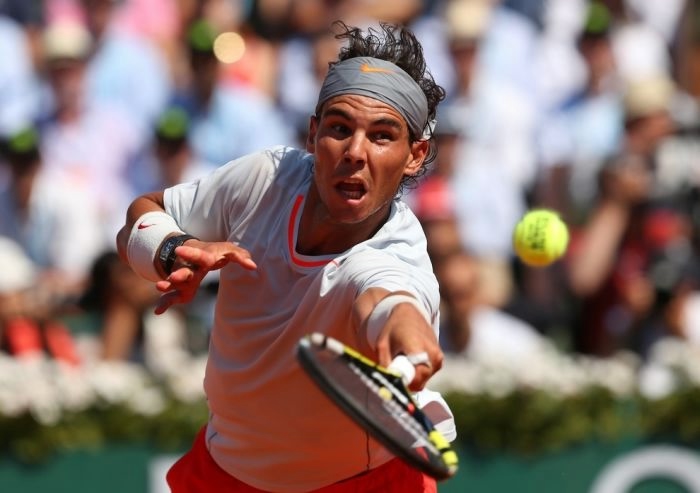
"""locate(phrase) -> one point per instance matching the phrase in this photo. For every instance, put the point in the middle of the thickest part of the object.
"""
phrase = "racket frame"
(444, 465)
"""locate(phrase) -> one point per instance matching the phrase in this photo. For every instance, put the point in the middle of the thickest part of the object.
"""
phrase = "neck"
(22, 186)
(319, 235)
(68, 114)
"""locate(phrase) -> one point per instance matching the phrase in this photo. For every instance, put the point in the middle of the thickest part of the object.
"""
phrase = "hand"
(194, 260)
(408, 333)
(628, 181)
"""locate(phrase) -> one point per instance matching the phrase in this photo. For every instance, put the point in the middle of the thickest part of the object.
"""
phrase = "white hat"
(467, 19)
(66, 40)
(18, 271)
(647, 95)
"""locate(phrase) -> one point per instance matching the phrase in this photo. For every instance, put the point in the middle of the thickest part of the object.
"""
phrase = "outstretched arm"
(142, 241)
(397, 323)
(624, 185)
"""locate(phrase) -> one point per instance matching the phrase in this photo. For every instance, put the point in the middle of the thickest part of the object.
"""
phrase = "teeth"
(352, 195)
(352, 190)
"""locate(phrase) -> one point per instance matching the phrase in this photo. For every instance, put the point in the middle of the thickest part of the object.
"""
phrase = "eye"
(338, 129)
(382, 136)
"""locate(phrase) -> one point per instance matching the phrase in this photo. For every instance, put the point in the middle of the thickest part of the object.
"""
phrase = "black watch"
(166, 254)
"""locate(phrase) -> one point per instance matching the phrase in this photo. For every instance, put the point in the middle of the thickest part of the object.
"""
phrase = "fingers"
(421, 377)
(243, 258)
(414, 374)
(404, 367)
(196, 256)
(425, 366)
(167, 300)
(210, 260)
(192, 264)
(179, 287)
(423, 353)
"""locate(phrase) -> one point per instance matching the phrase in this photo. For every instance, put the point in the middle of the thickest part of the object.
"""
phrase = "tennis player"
(306, 240)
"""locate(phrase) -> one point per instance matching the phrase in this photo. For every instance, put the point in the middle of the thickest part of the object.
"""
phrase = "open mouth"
(351, 190)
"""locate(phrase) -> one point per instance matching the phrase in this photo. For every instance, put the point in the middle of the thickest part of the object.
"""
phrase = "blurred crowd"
(588, 107)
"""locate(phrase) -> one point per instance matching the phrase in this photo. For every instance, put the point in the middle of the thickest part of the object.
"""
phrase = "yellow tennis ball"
(540, 238)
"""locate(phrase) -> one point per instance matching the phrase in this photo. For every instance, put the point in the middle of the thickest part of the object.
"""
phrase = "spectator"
(469, 324)
(172, 160)
(125, 69)
(466, 23)
(121, 303)
(303, 63)
(18, 85)
(586, 130)
(432, 200)
(575, 138)
(490, 174)
(612, 265)
(280, 19)
(91, 144)
(643, 38)
(434, 203)
(227, 121)
(48, 219)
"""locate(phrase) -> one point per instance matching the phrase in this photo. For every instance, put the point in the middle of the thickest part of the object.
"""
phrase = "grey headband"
(382, 80)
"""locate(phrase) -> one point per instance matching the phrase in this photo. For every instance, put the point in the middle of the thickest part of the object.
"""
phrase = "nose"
(356, 150)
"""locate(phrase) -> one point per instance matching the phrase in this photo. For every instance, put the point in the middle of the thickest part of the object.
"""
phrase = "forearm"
(598, 250)
(393, 323)
(148, 240)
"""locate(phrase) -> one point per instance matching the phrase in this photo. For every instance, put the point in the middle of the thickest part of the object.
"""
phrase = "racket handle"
(403, 367)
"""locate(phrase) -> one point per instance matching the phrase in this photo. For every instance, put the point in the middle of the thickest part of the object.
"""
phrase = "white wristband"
(145, 239)
(381, 312)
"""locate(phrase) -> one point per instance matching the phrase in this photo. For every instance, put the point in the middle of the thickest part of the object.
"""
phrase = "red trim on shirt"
(290, 238)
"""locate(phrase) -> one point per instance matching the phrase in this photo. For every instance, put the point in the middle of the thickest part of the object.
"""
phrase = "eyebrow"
(392, 122)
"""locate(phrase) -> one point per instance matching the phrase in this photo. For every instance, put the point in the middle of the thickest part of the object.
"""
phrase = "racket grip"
(403, 367)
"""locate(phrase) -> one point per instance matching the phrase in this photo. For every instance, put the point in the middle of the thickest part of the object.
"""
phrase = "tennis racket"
(376, 398)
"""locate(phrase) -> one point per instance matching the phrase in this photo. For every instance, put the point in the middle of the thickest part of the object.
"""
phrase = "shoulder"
(252, 174)
(291, 161)
(396, 255)
(11, 31)
(401, 232)
(270, 158)
(276, 160)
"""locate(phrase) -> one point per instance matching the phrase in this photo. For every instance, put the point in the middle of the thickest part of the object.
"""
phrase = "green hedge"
(521, 423)
(46, 408)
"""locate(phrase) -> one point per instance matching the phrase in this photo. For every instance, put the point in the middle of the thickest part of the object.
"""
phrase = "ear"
(419, 150)
(311, 137)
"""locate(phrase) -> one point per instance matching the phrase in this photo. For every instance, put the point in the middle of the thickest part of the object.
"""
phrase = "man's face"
(99, 13)
(66, 78)
(362, 150)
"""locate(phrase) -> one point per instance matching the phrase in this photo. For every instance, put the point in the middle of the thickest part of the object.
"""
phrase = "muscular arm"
(598, 250)
(194, 259)
(406, 331)
(623, 185)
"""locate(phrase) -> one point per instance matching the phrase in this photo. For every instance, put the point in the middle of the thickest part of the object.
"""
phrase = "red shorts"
(196, 472)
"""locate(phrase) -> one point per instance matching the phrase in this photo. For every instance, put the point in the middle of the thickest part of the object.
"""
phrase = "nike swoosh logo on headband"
(367, 69)
(144, 226)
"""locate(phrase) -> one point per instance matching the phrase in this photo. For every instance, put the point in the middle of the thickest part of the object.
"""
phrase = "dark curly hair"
(400, 46)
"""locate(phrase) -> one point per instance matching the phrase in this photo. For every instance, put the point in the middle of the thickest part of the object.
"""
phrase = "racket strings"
(401, 415)
(377, 400)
